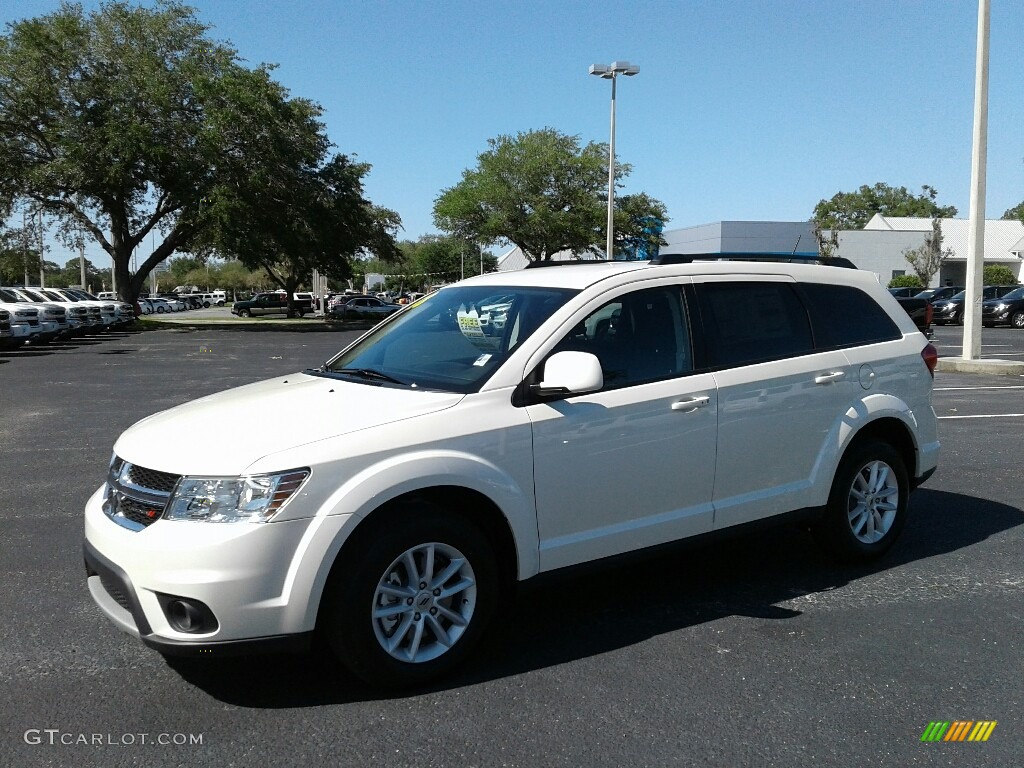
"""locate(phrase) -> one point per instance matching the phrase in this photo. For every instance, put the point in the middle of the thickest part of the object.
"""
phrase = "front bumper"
(262, 582)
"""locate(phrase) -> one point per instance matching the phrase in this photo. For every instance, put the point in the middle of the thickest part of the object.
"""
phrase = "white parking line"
(984, 416)
(958, 389)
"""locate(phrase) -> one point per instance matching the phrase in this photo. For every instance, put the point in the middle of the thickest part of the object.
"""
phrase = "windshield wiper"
(367, 373)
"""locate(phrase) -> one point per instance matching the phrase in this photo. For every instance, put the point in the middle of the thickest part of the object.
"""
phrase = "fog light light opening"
(187, 615)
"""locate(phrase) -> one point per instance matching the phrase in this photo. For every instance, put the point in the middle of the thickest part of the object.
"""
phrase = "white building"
(880, 246)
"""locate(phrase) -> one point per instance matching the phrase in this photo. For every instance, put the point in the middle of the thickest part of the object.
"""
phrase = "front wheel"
(244, 313)
(1017, 321)
(411, 604)
(867, 507)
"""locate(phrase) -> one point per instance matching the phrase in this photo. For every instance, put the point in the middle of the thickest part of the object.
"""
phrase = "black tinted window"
(845, 316)
(752, 322)
(639, 337)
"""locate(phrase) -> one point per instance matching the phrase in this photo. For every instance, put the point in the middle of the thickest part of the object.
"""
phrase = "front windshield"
(958, 296)
(8, 296)
(1016, 293)
(453, 340)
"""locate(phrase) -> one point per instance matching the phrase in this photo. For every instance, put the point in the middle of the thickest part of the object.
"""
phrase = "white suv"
(617, 406)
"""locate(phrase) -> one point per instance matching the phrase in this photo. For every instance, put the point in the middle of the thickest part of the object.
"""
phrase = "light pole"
(611, 72)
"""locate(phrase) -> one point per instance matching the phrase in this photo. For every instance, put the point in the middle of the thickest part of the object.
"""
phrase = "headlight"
(253, 499)
(1001, 307)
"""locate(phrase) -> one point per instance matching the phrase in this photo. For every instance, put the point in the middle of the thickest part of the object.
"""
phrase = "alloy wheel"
(424, 602)
(873, 502)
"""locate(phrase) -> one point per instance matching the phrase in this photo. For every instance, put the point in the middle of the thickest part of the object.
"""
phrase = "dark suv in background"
(1006, 310)
(951, 311)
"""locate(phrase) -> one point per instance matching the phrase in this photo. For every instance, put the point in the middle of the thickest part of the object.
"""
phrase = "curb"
(998, 367)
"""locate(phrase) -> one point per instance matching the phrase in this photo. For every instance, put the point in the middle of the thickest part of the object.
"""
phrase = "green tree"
(1014, 214)
(927, 258)
(998, 274)
(311, 215)
(905, 281)
(852, 210)
(542, 191)
(639, 220)
(17, 256)
(437, 259)
(128, 121)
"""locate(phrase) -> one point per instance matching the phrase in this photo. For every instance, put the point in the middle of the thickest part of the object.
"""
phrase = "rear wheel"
(411, 604)
(867, 507)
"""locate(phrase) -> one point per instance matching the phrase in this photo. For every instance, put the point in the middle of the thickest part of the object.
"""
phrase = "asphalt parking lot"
(757, 651)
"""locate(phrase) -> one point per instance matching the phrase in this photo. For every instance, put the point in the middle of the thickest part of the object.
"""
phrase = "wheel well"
(895, 433)
(472, 506)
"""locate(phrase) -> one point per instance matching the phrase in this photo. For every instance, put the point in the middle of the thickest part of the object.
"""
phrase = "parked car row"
(950, 310)
(361, 307)
(159, 304)
(41, 315)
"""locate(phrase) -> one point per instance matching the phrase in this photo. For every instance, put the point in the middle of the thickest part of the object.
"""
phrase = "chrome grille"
(161, 482)
(136, 496)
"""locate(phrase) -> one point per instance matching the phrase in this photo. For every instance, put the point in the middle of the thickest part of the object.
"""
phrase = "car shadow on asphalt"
(580, 613)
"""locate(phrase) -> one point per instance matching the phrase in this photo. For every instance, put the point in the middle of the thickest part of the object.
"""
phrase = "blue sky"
(741, 110)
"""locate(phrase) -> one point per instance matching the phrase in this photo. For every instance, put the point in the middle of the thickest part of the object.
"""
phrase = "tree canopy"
(1014, 214)
(310, 218)
(852, 210)
(927, 258)
(127, 121)
(544, 192)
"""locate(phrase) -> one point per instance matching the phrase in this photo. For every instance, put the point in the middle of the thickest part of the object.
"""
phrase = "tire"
(160, 310)
(867, 507)
(206, 305)
(302, 313)
(244, 313)
(395, 628)
(1017, 320)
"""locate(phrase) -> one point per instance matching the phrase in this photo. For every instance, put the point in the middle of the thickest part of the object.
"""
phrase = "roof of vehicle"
(580, 275)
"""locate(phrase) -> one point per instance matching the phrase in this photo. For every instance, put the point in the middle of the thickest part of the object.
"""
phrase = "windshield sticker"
(473, 329)
(482, 360)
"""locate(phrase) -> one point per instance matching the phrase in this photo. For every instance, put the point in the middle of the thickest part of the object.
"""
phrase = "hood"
(224, 434)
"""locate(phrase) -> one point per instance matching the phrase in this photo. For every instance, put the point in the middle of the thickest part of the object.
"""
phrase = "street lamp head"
(600, 70)
(625, 68)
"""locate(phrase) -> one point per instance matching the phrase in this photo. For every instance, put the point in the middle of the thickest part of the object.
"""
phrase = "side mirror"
(570, 373)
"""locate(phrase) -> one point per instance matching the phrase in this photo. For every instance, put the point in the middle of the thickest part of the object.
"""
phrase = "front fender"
(376, 485)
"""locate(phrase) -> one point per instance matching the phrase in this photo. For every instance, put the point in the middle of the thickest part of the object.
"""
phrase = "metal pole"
(976, 230)
(611, 181)
(81, 258)
(42, 261)
(24, 244)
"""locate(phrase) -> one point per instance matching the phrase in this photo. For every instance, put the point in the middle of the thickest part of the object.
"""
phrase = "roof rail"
(574, 262)
(784, 258)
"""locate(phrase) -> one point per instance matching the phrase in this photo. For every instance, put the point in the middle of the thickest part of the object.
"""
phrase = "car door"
(778, 396)
(631, 465)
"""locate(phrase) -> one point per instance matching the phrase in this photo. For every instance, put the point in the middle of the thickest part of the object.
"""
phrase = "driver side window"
(638, 337)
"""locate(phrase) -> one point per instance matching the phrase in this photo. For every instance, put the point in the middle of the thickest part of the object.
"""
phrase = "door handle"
(691, 405)
(828, 378)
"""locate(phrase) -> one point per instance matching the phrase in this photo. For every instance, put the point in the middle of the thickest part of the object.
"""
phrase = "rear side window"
(845, 316)
(752, 322)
